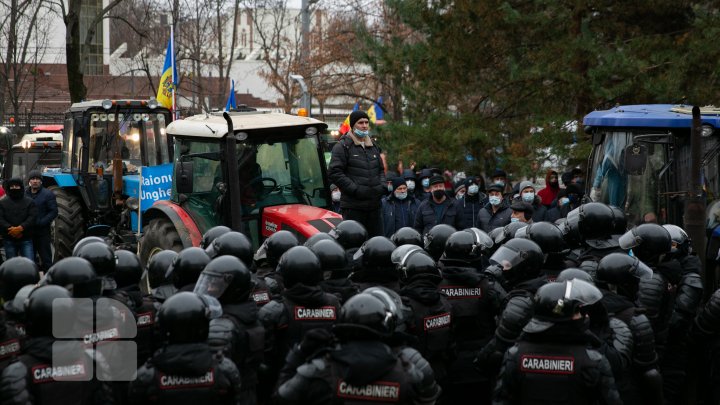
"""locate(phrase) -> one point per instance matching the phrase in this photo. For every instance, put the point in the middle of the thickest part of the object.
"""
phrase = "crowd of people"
(584, 311)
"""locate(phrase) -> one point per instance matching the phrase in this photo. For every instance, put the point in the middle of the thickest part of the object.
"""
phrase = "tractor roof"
(213, 125)
(651, 116)
(85, 105)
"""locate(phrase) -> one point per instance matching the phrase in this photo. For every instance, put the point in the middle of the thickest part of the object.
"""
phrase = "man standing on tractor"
(17, 216)
(357, 169)
(47, 211)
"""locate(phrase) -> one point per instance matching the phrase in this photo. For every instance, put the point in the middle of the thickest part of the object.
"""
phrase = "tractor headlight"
(107, 104)
(707, 130)
(132, 203)
(311, 131)
(152, 104)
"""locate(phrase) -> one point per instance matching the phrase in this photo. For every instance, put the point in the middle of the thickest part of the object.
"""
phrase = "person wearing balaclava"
(17, 217)
(551, 190)
(357, 168)
(438, 209)
(399, 207)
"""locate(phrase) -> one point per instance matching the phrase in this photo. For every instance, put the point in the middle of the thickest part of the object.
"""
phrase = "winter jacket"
(471, 206)
(490, 220)
(47, 209)
(539, 210)
(450, 213)
(17, 212)
(398, 213)
(357, 169)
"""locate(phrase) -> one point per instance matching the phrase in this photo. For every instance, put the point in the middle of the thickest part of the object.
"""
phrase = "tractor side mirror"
(635, 161)
(184, 177)
(598, 138)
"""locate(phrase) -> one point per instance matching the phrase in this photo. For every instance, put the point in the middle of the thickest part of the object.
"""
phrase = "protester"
(528, 196)
(335, 195)
(399, 208)
(496, 212)
(439, 209)
(47, 211)
(552, 188)
(17, 217)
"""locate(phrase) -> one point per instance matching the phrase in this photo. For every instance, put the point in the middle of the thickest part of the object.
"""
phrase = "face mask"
(410, 184)
(390, 188)
(426, 182)
(528, 197)
(494, 200)
(553, 184)
(335, 196)
(500, 183)
(460, 196)
(400, 196)
(513, 219)
(438, 194)
(15, 194)
(474, 189)
(579, 182)
(360, 133)
(564, 201)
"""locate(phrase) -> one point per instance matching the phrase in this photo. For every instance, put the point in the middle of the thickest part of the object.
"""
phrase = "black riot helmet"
(300, 265)
(407, 236)
(101, 256)
(84, 241)
(227, 279)
(507, 232)
(591, 221)
(333, 259)
(393, 303)
(575, 273)
(75, 274)
(184, 318)
(39, 310)
(187, 266)
(158, 266)
(518, 260)
(619, 221)
(621, 269)
(233, 244)
(375, 253)
(681, 242)
(275, 245)
(548, 236)
(212, 234)
(16, 273)
(364, 317)
(466, 246)
(560, 302)
(417, 265)
(317, 237)
(128, 269)
(349, 234)
(649, 242)
(436, 238)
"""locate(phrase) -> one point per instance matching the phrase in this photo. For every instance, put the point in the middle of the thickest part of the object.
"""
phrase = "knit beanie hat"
(356, 115)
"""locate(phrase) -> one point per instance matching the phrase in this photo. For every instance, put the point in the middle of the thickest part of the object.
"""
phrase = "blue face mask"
(494, 200)
(473, 189)
(426, 182)
(528, 197)
(513, 219)
(410, 184)
(564, 201)
(390, 187)
(400, 196)
(360, 133)
(500, 183)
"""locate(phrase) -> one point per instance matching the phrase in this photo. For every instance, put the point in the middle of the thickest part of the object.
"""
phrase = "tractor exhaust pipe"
(232, 204)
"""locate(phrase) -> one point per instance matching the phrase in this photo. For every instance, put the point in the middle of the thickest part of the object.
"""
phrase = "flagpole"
(172, 69)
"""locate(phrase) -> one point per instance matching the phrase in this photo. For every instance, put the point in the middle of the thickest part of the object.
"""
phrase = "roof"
(84, 105)
(214, 125)
(651, 116)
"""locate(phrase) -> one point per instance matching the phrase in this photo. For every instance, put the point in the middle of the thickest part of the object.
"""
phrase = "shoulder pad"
(271, 312)
(221, 325)
(311, 368)
(692, 280)
(513, 350)
(594, 355)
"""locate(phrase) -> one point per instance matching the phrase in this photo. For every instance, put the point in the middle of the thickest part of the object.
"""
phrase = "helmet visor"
(401, 253)
(482, 240)
(506, 258)
(211, 251)
(212, 284)
(212, 305)
(582, 292)
(629, 240)
(261, 253)
(641, 270)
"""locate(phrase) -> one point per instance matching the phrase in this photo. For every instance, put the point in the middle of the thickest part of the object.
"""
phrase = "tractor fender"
(188, 230)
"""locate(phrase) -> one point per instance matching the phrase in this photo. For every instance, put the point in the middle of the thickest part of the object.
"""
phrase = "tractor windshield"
(630, 171)
(127, 143)
(26, 160)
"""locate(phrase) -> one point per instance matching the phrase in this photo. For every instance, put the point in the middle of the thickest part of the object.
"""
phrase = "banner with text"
(155, 184)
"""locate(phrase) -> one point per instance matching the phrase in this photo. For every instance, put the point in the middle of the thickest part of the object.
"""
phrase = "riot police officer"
(16, 273)
(434, 240)
(407, 236)
(335, 269)
(593, 225)
(550, 239)
(350, 235)
(54, 371)
(268, 256)
(552, 361)
(362, 368)
(237, 332)
(213, 233)
(185, 370)
(161, 287)
(103, 260)
(186, 268)
(373, 265)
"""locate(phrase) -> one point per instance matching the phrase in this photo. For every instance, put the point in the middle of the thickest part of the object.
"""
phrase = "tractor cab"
(641, 159)
(256, 172)
(37, 151)
(105, 145)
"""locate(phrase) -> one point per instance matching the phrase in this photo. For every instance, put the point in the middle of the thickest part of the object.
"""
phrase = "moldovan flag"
(375, 112)
(168, 80)
(345, 127)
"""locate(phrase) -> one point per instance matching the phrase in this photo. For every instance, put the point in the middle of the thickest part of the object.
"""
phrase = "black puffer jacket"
(357, 169)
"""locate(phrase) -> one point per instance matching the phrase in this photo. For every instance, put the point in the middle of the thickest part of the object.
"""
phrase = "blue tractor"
(105, 145)
(660, 162)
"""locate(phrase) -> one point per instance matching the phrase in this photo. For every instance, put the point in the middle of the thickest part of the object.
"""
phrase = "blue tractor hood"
(651, 116)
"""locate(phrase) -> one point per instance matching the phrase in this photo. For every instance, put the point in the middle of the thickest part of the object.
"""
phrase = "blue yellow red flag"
(345, 127)
(168, 79)
(375, 112)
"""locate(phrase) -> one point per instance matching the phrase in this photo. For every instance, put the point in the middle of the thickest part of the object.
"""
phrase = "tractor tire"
(159, 234)
(69, 226)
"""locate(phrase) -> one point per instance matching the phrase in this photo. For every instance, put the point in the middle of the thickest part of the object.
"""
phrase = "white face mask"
(473, 189)
(410, 184)
(528, 197)
(494, 200)
(335, 195)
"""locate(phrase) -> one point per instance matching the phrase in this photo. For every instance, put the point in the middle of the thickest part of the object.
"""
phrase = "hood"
(547, 179)
(302, 220)
(422, 290)
(458, 274)
(364, 361)
(184, 359)
(306, 295)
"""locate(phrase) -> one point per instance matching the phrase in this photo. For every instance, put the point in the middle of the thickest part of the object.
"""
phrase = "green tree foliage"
(502, 80)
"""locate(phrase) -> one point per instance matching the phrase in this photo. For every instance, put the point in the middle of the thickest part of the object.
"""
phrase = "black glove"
(315, 340)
